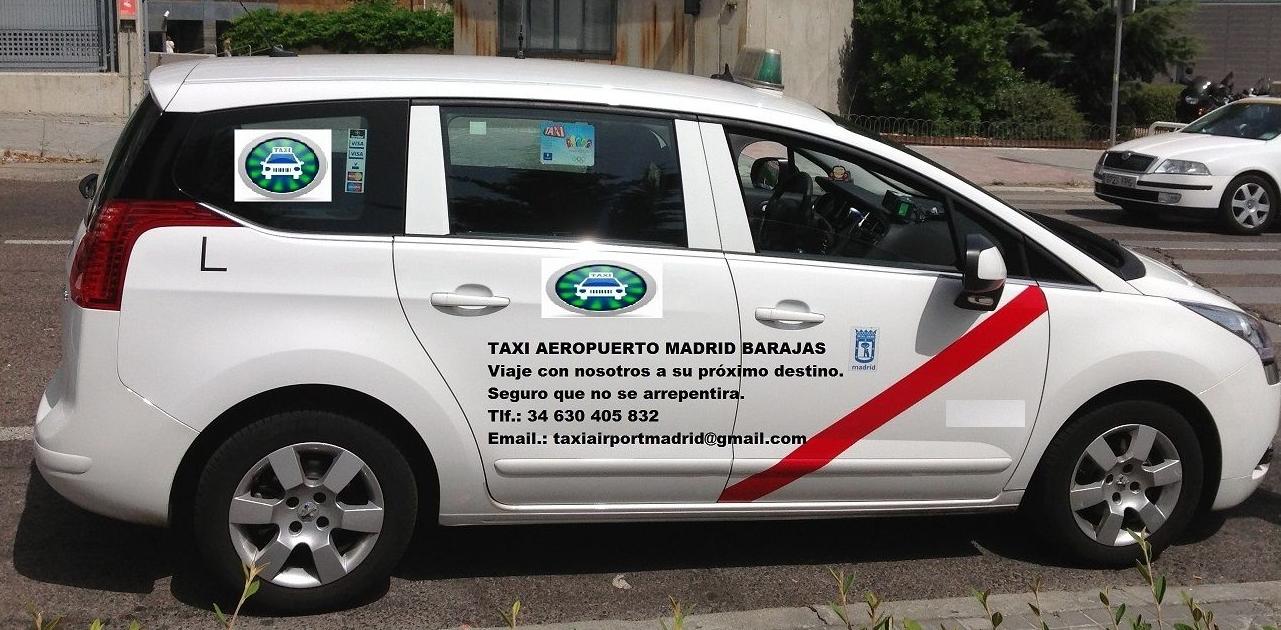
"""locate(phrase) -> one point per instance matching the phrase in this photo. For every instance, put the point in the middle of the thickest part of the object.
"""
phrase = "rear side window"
(361, 167)
(544, 173)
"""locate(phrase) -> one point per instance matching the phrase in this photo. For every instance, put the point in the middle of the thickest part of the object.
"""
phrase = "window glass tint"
(563, 174)
(802, 199)
(366, 183)
(126, 149)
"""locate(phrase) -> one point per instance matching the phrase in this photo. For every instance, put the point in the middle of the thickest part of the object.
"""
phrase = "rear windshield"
(125, 153)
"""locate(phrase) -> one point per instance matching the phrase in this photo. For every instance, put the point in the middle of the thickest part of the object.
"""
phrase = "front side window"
(803, 199)
(363, 168)
(561, 28)
(544, 173)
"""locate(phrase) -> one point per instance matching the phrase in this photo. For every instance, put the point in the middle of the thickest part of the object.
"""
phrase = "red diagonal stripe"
(951, 362)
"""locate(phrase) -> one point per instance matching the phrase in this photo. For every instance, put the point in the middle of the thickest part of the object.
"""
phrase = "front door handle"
(468, 301)
(784, 316)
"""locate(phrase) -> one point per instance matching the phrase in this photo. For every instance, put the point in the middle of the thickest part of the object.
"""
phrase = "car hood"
(1187, 146)
(1163, 281)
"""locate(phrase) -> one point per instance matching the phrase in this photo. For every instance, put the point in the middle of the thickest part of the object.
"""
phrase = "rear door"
(563, 272)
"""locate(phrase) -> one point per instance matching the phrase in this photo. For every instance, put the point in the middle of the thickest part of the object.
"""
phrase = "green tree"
(926, 59)
(1068, 44)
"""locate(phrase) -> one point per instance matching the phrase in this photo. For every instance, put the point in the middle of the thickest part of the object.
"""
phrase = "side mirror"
(88, 185)
(766, 172)
(983, 275)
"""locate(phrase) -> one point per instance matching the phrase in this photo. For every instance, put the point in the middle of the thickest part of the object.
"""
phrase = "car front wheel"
(323, 503)
(1127, 466)
(1246, 207)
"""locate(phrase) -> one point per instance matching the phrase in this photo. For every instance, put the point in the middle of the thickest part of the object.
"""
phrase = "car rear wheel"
(323, 503)
(1122, 467)
(1247, 203)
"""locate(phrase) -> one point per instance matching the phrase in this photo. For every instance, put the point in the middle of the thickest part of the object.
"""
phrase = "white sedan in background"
(1223, 166)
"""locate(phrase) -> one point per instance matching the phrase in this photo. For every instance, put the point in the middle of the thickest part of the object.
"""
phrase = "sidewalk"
(79, 137)
(1235, 606)
(93, 138)
(1017, 167)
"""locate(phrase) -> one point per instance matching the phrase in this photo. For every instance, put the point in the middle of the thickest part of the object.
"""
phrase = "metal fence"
(69, 35)
(994, 134)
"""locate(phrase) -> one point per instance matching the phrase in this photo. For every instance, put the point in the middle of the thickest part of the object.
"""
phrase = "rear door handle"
(468, 301)
(785, 316)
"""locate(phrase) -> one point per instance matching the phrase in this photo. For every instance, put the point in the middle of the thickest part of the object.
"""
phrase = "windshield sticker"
(863, 349)
(355, 178)
(567, 144)
(596, 288)
(282, 165)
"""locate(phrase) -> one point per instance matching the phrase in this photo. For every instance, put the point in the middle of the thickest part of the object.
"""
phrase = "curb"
(47, 171)
(1244, 605)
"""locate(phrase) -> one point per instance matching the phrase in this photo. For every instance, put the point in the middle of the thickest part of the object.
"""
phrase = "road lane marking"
(1211, 246)
(1255, 267)
(36, 241)
(15, 434)
(1252, 295)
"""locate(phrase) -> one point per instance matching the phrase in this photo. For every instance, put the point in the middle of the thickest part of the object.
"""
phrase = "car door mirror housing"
(88, 185)
(982, 275)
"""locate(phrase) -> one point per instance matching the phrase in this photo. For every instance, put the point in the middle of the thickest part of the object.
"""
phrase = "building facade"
(196, 26)
(811, 34)
(1238, 36)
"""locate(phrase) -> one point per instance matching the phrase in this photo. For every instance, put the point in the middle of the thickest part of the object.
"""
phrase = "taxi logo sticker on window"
(282, 165)
(576, 289)
(567, 144)
(863, 348)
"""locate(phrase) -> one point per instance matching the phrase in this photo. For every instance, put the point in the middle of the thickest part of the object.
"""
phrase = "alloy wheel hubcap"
(307, 513)
(1128, 479)
(1250, 205)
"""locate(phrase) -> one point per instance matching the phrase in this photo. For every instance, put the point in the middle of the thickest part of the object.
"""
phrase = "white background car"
(298, 383)
(1223, 167)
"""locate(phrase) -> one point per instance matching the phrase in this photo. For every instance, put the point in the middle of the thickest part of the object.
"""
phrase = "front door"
(851, 337)
(561, 299)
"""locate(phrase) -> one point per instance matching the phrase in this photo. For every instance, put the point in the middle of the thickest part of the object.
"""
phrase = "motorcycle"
(1201, 96)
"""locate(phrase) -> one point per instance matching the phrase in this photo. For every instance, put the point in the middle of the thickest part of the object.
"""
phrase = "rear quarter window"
(364, 163)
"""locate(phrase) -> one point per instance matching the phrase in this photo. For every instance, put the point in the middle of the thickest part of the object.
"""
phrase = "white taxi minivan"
(499, 291)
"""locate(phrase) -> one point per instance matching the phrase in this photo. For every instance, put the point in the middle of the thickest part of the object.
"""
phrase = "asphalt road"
(68, 562)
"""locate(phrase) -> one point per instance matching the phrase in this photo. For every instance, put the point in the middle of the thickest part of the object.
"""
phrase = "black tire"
(246, 448)
(1048, 505)
(1228, 214)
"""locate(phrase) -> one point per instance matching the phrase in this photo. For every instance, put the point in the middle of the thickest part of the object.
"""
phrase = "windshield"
(1256, 121)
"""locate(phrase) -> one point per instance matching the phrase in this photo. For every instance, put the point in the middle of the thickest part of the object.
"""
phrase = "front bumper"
(1193, 194)
(1247, 413)
(98, 444)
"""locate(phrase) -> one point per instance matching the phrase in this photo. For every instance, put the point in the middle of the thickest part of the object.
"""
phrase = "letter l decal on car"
(938, 371)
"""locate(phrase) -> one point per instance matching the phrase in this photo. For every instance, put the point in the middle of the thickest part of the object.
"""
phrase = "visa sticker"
(357, 143)
(567, 144)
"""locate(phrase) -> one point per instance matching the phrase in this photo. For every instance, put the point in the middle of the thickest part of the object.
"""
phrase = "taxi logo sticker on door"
(587, 288)
(282, 165)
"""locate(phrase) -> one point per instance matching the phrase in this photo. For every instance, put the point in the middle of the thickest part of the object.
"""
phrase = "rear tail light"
(98, 269)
